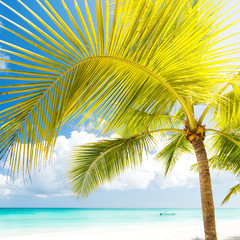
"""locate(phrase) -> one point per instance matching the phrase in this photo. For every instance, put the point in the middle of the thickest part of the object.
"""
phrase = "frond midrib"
(224, 135)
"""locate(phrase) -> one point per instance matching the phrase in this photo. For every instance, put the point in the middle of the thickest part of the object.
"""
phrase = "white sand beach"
(227, 230)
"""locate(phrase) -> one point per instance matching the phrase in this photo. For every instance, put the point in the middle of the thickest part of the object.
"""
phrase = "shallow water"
(33, 220)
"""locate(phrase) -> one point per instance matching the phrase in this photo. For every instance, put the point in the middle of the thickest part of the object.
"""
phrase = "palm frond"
(148, 58)
(174, 149)
(194, 167)
(96, 163)
(224, 149)
(233, 191)
(138, 121)
(29, 128)
(227, 106)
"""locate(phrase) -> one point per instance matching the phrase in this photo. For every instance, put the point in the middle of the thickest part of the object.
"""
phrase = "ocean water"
(39, 220)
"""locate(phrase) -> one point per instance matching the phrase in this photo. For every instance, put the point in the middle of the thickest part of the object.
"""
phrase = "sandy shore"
(229, 230)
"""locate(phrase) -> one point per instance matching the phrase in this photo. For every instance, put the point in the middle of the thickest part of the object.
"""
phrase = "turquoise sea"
(39, 220)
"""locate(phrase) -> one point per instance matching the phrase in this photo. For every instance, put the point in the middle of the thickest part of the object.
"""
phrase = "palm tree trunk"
(206, 190)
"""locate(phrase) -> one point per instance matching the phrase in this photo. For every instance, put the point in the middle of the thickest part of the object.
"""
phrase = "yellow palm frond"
(151, 57)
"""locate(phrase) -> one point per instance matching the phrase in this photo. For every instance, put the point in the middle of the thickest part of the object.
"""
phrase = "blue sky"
(143, 187)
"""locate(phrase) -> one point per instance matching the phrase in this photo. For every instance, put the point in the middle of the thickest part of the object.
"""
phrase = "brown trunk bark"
(206, 190)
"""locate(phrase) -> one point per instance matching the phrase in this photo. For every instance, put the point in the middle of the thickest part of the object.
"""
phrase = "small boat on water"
(167, 214)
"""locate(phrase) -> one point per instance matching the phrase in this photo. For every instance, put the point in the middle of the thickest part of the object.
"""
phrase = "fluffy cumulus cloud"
(52, 180)
(139, 178)
(4, 190)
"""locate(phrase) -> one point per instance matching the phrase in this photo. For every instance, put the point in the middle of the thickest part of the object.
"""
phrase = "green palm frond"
(228, 106)
(176, 146)
(96, 163)
(148, 58)
(233, 191)
(140, 121)
(224, 147)
(145, 121)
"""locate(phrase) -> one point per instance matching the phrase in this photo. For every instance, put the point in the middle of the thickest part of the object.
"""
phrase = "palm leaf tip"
(96, 163)
(233, 191)
(194, 167)
(175, 147)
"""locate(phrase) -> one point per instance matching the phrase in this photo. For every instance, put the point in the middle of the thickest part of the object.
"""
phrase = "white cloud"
(52, 180)
(4, 190)
(151, 174)
(138, 178)
(3, 64)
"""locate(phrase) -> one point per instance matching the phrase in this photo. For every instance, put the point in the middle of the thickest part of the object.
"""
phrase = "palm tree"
(140, 71)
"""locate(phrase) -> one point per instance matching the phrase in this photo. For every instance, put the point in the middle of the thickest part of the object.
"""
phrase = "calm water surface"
(27, 220)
